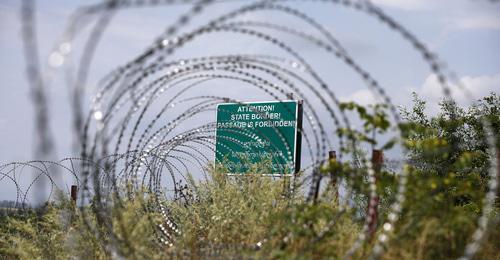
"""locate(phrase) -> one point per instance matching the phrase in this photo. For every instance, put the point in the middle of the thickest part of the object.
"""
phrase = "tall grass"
(231, 217)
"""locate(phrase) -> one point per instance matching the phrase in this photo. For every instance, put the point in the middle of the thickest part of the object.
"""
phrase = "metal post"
(377, 161)
(298, 144)
(74, 192)
(298, 149)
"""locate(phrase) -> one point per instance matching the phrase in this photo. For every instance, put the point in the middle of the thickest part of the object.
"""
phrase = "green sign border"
(297, 136)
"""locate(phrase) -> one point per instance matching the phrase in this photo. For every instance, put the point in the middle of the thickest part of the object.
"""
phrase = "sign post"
(266, 133)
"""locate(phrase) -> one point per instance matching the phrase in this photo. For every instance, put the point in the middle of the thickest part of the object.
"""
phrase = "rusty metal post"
(74, 192)
(377, 159)
(372, 214)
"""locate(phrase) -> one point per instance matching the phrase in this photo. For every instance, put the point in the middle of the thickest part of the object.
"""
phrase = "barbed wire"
(147, 125)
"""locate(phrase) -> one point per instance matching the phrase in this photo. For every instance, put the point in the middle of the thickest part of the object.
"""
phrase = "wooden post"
(74, 192)
(332, 156)
(372, 214)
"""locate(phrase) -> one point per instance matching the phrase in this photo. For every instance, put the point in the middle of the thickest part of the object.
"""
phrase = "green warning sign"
(264, 133)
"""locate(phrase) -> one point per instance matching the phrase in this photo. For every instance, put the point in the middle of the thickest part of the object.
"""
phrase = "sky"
(465, 34)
